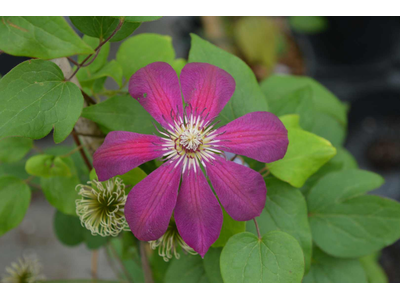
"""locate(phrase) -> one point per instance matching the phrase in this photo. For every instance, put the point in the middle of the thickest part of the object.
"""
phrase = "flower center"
(191, 140)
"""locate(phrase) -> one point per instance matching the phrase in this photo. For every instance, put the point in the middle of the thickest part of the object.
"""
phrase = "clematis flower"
(188, 143)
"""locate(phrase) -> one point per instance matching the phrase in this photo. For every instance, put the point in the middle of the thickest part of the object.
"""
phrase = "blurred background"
(357, 58)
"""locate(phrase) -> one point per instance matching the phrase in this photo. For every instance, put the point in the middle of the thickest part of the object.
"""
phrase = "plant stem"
(128, 276)
(90, 135)
(29, 179)
(257, 228)
(37, 149)
(234, 157)
(73, 61)
(113, 267)
(34, 185)
(81, 150)
(94, 57)
(148, 277)
(95, 255)
(72, 152)
(265, 174)
(97, 50)
(263, 170)
(89, 100)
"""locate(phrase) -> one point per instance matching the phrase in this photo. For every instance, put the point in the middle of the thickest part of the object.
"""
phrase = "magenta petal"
(198, 214)
(241, 190)
(258, 135)
(123, 151)
(206, 87)
(150, 203)
(156, 87)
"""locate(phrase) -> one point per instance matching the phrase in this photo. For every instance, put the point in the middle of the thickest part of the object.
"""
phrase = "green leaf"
(68, 229)
(328, 269)
(143, 49)
(343, 160)
(60, 191)
(192, 268)
(178, 65)
(126, 30)
(187, 269)
(40, 37)
(339, 186)
(211, 265)
(103, 27)
(306, 153)
(357, 226)
(257, 38)
(81, 168)
(276, 87)
(230, 227)
(13, 149)
(35, 98)
(248, 96)
(373, 270)
(70, 232)
(120, 113)
(139, 19)
(277, 257)
(94, 242)
(133, 177)
(285, 210)
(326, 106)
(298, 102)
(291, 121)
(345, 224)
(112, 69)
(93, 175)
(327, 127)
(45, 165)
(15, 196)
(308, 24)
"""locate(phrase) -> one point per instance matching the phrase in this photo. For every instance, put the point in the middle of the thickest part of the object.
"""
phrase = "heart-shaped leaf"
(344, 222)
(277, 257)
(35, 98)
(285, 210)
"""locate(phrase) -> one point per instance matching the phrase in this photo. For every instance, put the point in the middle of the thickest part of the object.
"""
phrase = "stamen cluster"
(101, 209)
(191, 140)
(170, 242)
(26, 270)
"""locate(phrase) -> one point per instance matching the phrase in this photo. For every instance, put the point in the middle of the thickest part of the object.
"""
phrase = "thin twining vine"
(84, 63)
